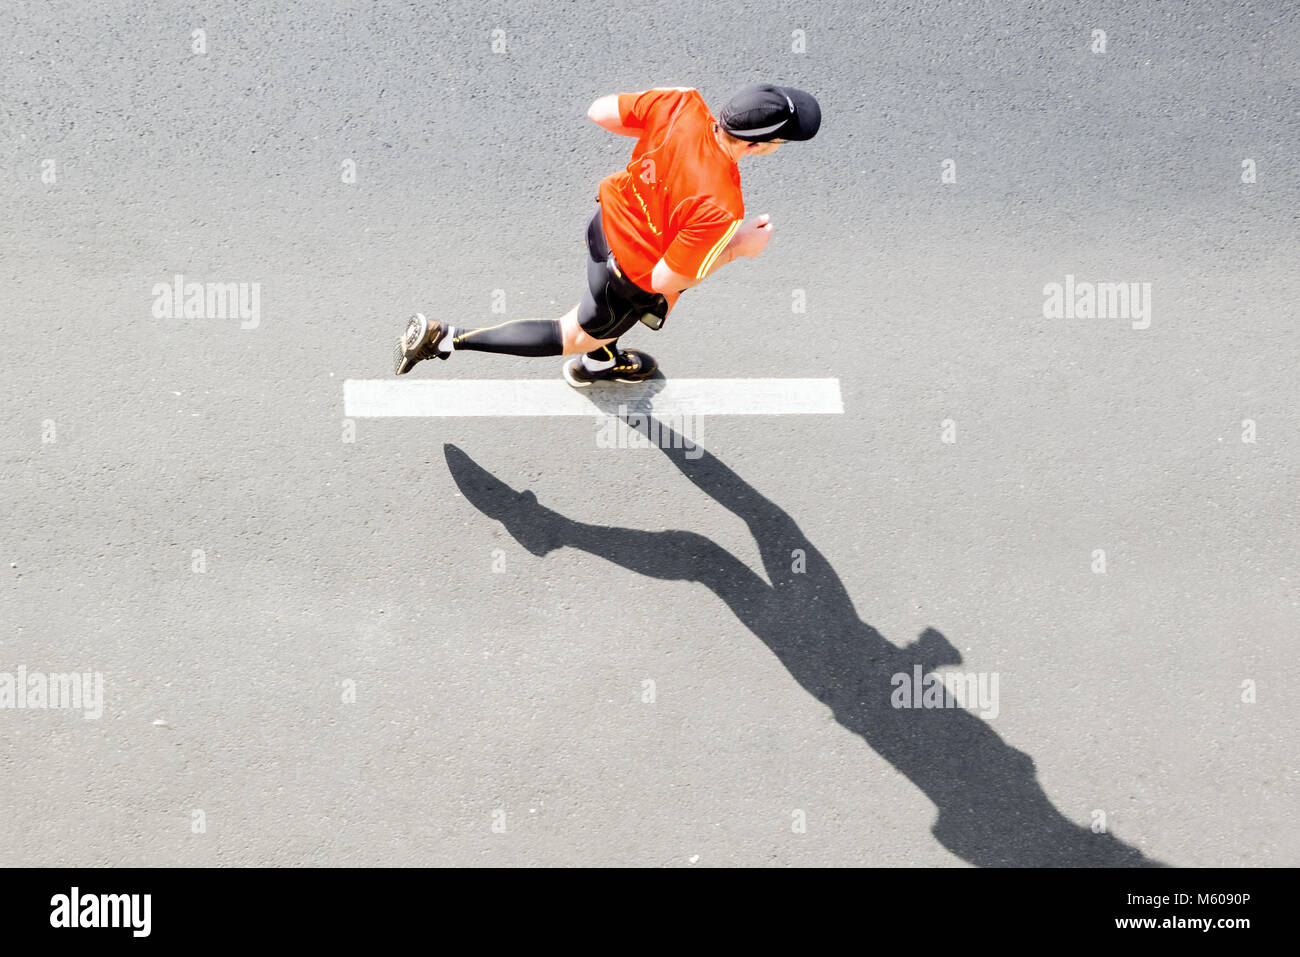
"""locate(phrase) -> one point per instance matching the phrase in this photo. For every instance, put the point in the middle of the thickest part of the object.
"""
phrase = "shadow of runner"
(992, 810)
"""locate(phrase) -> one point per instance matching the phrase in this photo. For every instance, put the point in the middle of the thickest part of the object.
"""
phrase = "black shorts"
(613, 303)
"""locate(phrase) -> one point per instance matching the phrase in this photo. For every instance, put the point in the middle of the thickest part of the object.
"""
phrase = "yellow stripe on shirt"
(717, 250)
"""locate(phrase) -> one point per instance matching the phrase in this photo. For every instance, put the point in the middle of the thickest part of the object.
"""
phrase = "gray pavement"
(367, 668)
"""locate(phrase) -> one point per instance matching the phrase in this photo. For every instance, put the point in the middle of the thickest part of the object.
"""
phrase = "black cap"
(762, 112)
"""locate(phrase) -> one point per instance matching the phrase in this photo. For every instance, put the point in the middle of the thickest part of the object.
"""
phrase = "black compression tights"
(522, 337)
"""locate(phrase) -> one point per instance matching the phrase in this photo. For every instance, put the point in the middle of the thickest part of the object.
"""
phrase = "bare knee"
(575, 340)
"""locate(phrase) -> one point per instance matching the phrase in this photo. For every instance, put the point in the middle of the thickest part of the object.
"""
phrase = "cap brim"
(807, 115)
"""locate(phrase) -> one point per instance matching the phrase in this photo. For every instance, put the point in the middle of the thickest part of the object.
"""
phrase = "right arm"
(627, 113)
(605, 113)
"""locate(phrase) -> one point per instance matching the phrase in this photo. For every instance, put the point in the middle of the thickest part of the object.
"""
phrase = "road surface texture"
(330, 640)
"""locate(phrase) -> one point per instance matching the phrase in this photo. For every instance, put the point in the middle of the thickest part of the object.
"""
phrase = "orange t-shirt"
(679, 197)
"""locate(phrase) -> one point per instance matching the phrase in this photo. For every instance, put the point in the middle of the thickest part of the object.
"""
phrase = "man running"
(665, 223)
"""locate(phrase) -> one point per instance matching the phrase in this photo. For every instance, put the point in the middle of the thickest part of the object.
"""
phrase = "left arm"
(746, 241)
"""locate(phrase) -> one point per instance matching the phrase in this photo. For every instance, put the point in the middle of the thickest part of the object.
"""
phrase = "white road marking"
(382, 398)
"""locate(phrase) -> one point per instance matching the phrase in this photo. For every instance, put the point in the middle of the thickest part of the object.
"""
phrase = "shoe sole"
(569, 377)
(416, 332)
(400, 366)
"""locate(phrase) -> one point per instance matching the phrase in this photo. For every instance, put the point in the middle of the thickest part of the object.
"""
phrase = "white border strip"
(385, 398)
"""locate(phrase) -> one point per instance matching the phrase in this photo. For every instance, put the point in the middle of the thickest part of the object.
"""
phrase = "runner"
(669, 220)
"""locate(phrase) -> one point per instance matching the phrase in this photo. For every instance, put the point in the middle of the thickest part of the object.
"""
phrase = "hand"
(751, 238)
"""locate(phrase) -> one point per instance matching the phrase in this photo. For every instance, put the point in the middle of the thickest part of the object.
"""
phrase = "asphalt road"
(323, 642)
